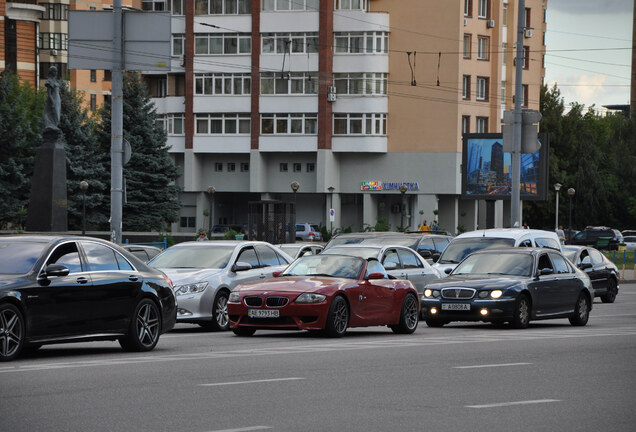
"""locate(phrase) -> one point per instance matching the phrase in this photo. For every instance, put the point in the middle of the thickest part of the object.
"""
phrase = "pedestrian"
(434, 226)
(424, 226)
(561, 234)
(202, 236)
(525, 225)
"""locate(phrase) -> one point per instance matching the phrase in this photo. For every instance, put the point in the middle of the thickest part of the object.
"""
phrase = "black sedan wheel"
(581, 311)
(337, 318)
(12, 332)
(145, 328)
(521, 318)
(408, 317)
(610, 296)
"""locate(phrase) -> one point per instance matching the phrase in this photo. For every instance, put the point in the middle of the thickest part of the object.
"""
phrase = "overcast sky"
(582, 56)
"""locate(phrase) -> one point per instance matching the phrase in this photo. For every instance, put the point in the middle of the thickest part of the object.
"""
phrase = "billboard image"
(486, 169)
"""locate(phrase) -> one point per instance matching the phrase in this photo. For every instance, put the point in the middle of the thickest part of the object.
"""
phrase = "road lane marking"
(252, 381)
(250, 428)
(491, 365)
(505, 404)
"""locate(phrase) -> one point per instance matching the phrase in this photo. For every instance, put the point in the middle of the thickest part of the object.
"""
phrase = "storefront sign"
(378, 186)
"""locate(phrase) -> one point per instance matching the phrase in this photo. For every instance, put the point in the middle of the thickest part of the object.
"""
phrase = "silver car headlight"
(192, 288)
(310, 298)
(234, 297)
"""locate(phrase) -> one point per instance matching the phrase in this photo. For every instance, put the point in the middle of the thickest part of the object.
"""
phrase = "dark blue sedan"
(68, 289)
(510, 285)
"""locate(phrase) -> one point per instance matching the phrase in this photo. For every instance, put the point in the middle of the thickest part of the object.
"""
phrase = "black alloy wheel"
(145, 328)
(610, 295)
(521, 317)
(12, 332)
(581, 311)
(409, 316)
(337, 318)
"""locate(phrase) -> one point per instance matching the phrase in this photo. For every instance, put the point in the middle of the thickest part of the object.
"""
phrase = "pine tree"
(20, 121)
(151, 194)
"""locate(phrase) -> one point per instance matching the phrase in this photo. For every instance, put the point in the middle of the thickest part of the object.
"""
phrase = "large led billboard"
(486, 169)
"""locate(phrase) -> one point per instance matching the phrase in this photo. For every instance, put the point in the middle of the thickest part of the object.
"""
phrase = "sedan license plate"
(456, 306)
(263, 313)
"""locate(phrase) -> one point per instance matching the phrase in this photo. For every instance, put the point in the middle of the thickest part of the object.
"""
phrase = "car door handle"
(82, 280)
(133, 278)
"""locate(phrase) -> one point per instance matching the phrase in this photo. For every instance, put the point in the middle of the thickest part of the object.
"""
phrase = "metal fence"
(272, 221)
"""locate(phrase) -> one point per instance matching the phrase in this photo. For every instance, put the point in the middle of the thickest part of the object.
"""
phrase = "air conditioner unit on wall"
(53, 52)
(528, 33)
(331, 97)
(465, 22)
(490, 23)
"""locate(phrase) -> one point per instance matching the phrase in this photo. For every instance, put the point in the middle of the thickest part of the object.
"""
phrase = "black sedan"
(70, 289)
(510, 285)
(602, 272)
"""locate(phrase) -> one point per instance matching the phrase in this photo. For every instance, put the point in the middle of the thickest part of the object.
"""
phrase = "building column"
(369, 209)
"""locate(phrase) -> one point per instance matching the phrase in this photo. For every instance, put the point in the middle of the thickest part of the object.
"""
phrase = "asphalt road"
(463, 377)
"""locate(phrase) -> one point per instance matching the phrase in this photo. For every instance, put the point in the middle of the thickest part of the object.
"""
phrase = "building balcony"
(359, 144)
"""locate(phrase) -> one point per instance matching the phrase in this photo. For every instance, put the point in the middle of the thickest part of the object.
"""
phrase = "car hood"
(297, 284)
(188, 275)
(478, 282)
(10, 281)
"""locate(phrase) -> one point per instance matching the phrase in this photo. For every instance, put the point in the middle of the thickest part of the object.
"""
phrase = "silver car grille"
(458, 293)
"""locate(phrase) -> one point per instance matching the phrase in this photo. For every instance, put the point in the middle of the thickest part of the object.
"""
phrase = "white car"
(204, 274)
(465, 244)
(630, 242)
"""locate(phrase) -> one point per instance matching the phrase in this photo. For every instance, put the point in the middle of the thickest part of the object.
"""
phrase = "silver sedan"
(204, 273)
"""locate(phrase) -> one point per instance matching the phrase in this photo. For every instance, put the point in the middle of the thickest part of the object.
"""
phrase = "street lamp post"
(557, 187)
(211, 191)
(571, 193)
(330, 189)
(403, 189)
(294, 187)
(83, 186)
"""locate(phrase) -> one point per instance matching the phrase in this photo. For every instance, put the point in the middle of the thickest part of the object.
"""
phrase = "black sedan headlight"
(428, 293)
(494, 294)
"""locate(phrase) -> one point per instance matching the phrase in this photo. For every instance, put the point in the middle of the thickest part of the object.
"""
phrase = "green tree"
(20, 122)
(151, 194)
(85, 160)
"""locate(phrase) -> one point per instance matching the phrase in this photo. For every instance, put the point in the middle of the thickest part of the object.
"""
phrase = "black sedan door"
(116, 287)
(600, 272)
(568, 282)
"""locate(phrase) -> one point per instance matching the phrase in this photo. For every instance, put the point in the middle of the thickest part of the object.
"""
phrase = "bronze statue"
(53, 105)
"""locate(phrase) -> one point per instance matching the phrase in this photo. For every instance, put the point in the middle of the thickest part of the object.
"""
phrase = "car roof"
(515, 250)
(513, 233)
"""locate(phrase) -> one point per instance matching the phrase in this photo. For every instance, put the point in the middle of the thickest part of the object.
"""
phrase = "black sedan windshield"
(19, 257)
(326, 265)
(508, 264)
(215, 257)
(458, 249)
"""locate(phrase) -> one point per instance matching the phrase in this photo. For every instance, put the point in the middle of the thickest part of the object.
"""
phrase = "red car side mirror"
(375, 275)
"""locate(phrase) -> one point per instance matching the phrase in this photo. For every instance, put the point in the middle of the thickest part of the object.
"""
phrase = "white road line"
(491, 365)
(251, 428)
(251, 382)
(504, 404)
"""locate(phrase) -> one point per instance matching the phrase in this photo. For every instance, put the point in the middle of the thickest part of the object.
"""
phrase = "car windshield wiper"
(319, 274)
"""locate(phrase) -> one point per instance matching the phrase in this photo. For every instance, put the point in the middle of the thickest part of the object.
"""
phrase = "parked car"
(399, 261)
(513, 285)
(327, 293)
(601, 237)
(466, 243)
(308, 232)
(298, 249)
(143, 252)
(630, 242)
(602, 272)
(628, 232)
(204, 274)
(59, 289)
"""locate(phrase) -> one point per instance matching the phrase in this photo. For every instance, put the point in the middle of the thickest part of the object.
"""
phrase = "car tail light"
(311, 234)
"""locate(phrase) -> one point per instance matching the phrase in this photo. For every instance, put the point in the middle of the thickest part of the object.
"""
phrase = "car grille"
(253, 301)
(458, 293)
(276, 301)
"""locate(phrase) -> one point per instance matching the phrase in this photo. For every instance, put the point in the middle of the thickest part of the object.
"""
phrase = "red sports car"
(327, 293)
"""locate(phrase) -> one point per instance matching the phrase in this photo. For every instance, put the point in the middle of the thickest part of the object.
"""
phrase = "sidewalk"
(626, 276)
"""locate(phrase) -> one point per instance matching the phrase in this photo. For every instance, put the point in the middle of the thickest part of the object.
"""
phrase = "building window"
(291, 5)
(289, 124)
(56, 41)
(503, 93)
(359, 124)
(289, 43)
(108, 75)
(483, 51)
(153, 5)
(222, 7)
(93, 75)
(245, 166)
(311, 167)
(297, 167)
(188, 222)
(466, 87)
(467, 46)
(465, 124)
(468, 8)
(173, 124)
(524, 94)
(527, 17)
(482, 88)
(218, 166)
(222, 43)
(283, 167)
(222, 124)
(55, 11)
(350, 4)
(482, 124)
(526, 57)
(222, 84)
(231, 167)
(483, 9)
(361, 42)
(504, 53)
(93, 102)
(505, 14)
(178, 43)
(289, 83)
(176, 7)
(360, 83)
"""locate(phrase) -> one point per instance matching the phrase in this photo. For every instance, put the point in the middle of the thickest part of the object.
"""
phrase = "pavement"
(626, 275)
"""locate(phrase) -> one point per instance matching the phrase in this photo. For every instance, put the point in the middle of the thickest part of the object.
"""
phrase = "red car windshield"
(326, 265)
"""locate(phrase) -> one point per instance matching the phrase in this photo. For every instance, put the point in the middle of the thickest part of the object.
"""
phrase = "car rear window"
(460, 248)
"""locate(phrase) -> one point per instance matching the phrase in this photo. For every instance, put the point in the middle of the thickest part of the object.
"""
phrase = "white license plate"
(263, 313)
(456, 306)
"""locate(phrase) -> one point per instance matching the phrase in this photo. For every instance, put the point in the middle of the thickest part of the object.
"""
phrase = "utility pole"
(632, 105)
(117, 129)
(515, 194)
